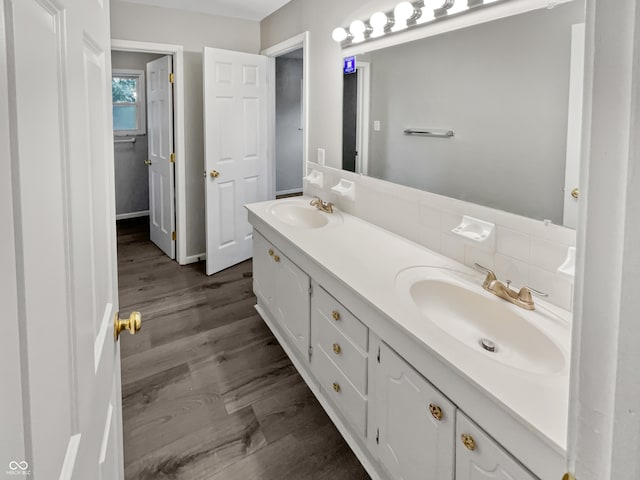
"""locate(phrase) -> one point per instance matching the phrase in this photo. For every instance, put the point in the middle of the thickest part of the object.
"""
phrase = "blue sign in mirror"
(350, 65)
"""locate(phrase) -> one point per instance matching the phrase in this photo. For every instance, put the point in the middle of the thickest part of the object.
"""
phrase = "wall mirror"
(489, 113)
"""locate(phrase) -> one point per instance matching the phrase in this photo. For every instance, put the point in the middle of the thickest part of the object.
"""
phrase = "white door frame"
(294, 43)
(362, 121)
(179, 131)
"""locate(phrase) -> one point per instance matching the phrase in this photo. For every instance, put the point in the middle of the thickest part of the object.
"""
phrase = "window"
(127, 91)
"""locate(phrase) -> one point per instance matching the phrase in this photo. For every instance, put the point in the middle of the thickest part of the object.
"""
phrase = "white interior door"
(162, 215)
(235, 123)
(59, 78)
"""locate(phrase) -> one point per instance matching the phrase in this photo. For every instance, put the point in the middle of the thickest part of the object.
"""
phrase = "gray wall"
(503, 87)
(130, 21)
(288, 117)
(132, 180)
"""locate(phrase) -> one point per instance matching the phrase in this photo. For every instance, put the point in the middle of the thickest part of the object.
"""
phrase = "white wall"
(132, 175)
(194, 31)
(288, 122)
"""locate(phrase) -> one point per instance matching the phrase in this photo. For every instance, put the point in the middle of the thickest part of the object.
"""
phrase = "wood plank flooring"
(208, 393)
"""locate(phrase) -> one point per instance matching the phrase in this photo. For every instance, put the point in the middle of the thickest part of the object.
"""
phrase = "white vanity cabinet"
(478, 457)
(415, 423)
(283, 289)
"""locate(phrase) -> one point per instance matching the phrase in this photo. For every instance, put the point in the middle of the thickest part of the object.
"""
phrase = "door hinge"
(310, 290)
(172, 78)
(173, 235)
(310, 350)
(378, 354)
(172, 158)
(377, 436)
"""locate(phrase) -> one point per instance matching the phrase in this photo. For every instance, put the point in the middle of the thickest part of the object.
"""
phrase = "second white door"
(162, 216)
(235, 123)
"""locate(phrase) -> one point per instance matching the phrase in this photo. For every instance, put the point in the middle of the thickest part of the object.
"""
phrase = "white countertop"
(368, 259)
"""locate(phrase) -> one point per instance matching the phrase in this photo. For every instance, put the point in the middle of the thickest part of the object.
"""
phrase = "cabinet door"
(264, 268)
(478, 457)
(416, 423)
(292, 305)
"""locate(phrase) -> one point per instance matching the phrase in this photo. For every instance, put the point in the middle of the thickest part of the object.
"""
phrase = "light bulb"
(403, 12)
(339, 34)
(378, 21)
(357, 27)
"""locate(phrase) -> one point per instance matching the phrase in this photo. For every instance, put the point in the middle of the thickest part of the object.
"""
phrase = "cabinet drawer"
(340, 390)
(334, 312)
(351, 360)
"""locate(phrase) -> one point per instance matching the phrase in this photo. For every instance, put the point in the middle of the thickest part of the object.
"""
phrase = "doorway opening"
(355, 119)
(149, 159)
(289, 99)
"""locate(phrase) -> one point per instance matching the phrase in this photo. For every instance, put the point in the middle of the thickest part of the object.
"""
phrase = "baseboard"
(289, 192)
(124, 216)
(194, 259)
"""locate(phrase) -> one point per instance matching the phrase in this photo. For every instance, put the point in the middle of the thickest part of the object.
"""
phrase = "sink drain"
(488, 345)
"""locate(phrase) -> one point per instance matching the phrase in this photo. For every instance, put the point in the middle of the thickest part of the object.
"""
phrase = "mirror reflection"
(489, 114)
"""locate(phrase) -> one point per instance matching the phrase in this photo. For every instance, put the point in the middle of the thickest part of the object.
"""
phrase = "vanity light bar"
(405, 15)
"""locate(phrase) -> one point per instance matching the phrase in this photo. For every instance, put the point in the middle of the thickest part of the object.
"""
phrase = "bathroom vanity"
(424, 373)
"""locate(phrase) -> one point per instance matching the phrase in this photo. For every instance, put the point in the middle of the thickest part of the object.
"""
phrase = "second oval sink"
(487, 325)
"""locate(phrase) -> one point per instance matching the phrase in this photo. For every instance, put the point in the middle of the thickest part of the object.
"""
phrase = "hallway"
(207, 391)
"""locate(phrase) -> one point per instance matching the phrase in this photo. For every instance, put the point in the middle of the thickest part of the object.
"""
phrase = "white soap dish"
(568, 268)
(314, 178)
(345, 189)
(475, 230)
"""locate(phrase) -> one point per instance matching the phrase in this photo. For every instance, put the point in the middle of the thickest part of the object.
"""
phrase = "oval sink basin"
(486, 325)
(301, 214)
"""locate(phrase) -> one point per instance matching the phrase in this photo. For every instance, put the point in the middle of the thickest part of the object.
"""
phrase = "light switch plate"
(376, 125)
(320, 157)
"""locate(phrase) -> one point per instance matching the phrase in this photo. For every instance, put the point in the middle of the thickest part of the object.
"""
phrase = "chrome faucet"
(522, 298)
(322, 205)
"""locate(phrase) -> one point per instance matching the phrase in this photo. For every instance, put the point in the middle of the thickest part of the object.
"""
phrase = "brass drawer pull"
(336, 387)
(336, 315)
(468, 441)
(276, 258)
(436, 411)
(271, 252)
(336, 349)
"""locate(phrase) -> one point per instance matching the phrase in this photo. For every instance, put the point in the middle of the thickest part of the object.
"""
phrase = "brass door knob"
(276, 258)
(575, 193)
(336, 315)
(133, 324)
(336, 349)
(336, 387)
(214, 174)
(468, 441)
(147, 162)
(436, 411)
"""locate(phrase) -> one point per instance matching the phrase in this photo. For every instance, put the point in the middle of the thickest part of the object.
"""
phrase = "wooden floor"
(208, 393)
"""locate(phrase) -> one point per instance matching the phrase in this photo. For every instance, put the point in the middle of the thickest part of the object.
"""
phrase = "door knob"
(575, 193)
(214, 174)
(147, 162)
(133, 324)
(468, 441)
(436, 411)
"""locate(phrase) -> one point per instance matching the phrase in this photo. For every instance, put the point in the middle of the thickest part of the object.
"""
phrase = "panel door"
(235, 123)
(264, 268)
(63, 183)
(479, 457)
(413, 443)
(162, 215)
(293, 303)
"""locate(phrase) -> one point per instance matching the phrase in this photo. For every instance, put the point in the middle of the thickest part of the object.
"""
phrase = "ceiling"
(247, 9)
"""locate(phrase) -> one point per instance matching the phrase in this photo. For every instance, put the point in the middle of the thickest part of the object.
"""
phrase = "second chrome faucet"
(522, 298)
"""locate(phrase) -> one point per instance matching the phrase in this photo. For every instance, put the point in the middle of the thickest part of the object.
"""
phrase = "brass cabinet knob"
(271, 252)
(147, 162)
(436, 411)
(336, 315)
(336, 387)
(575, 193)
(133, 324)
(276, 258)
(214, 174)
(336, 349)
(468, 441)
(568, 476)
